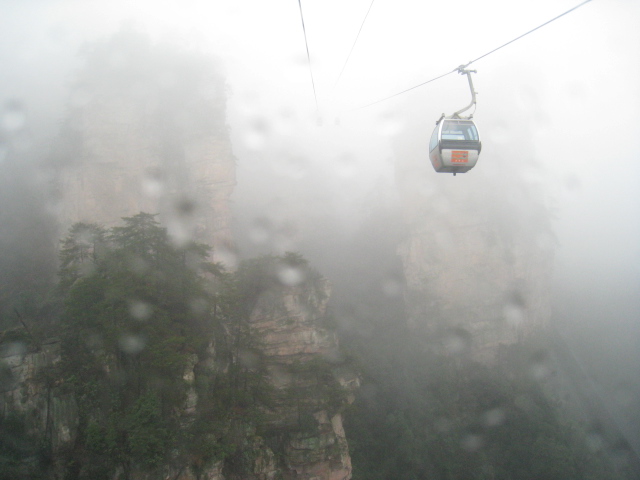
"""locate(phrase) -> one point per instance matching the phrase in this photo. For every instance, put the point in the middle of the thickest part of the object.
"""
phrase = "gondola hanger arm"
(462, 71)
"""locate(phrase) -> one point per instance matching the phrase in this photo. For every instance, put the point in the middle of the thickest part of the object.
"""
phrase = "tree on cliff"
(160, 360)
(137, 309)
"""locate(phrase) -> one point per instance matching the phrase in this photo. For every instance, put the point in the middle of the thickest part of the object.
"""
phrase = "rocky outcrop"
(302, 357)
(29, 391)
(300, 435)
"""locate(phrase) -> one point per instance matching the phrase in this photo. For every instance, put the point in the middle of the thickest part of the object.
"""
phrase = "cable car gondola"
(455, 142)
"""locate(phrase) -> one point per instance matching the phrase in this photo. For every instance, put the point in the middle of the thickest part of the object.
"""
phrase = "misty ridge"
(441, 293)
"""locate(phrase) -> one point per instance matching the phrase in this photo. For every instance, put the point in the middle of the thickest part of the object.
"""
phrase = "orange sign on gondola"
(459, 156)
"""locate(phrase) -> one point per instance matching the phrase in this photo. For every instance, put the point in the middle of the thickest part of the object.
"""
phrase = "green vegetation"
(421, 414)
(159, 359)
(139, 316)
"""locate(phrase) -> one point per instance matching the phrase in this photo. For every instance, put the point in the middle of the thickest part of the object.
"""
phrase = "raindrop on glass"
(514, 310)
(153, 182)
(180, 224)
(539, 366)
(290, 276)
(493, 417)
(249, 359)
(227, 256)
(280, 376)
(140, 310)
(12, 349)
(256, 137)
(132, 344)
(260, 230)
(456, 341)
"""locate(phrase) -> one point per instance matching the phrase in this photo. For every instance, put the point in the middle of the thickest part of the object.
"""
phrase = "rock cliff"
(289, 346)
(146, 131)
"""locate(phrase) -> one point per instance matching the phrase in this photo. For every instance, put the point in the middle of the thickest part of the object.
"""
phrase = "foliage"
(138, 315)
(447, 417)
(130, 326)
(22, 454)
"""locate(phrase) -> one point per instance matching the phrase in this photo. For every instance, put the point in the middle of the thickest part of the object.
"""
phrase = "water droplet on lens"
(249, 359)
(180, 224)
(140, 310)
(456, 341)
(493, 417)
(256, 137)
(12, 349)
(132, 344)
(153, 182)
(227, 256)
(280, 376)
(514, 310)
(290, 276)
(539, 365)
(260, 231)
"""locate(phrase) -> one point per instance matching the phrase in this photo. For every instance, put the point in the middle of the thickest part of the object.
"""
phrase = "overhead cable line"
(308, 57)
(354, 44)
(462, 67)
(525, 34)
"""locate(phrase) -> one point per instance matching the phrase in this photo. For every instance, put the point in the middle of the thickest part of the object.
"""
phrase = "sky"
(571, 87)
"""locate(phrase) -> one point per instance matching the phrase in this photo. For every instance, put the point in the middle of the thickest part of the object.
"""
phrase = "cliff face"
(289, 345)
(302, 358)
(146, 132)
(477, 257)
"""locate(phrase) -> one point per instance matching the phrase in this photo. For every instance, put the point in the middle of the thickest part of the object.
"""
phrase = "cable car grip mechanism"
(462, 71)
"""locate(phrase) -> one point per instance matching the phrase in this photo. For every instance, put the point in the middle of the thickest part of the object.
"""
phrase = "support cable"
(308, 57)
(530, 31)
(472, 61)
(354, 44)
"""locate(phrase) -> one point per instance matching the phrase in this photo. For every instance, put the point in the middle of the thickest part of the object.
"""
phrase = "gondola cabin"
(454, 146)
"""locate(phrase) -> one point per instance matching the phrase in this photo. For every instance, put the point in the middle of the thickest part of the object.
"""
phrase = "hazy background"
(561, 104)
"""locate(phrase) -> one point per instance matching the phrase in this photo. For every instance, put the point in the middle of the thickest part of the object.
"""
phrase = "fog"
(558, 109)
